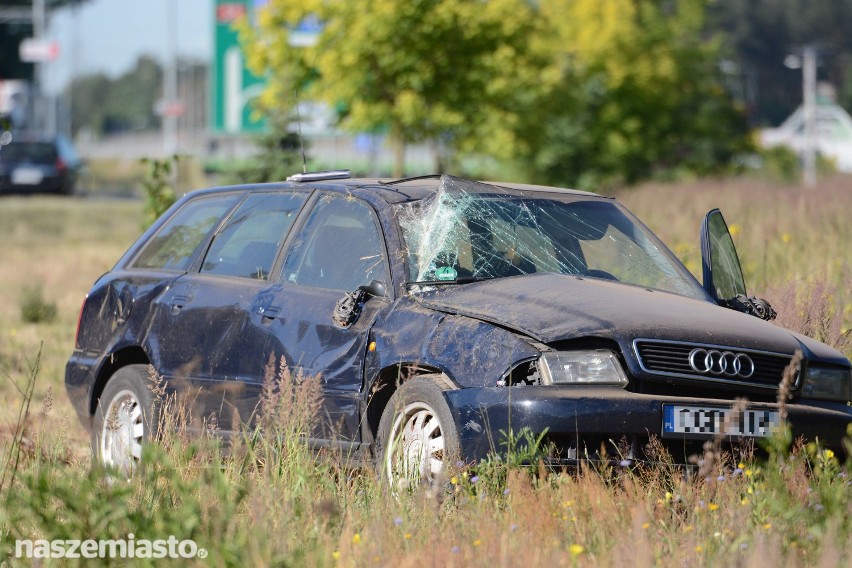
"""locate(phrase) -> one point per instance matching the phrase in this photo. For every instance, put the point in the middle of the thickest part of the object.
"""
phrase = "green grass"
(271, 502)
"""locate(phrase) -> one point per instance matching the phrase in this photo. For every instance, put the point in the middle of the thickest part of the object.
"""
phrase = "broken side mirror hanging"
(723, 275)
(348, 308)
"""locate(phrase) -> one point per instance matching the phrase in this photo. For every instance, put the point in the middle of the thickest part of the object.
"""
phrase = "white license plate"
(700, 422)
(26, 176)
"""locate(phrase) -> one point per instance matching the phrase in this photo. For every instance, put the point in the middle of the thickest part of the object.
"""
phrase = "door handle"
(268, 313)
(177, 303)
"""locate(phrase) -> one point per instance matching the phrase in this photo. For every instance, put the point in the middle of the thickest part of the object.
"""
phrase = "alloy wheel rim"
(417, 447)
(123, 433)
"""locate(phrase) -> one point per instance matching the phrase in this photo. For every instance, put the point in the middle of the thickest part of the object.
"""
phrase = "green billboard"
(232, 85)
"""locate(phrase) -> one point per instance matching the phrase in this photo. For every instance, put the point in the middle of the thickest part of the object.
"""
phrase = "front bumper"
(590, 414)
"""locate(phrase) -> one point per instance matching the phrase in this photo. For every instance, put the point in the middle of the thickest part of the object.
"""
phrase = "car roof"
(399, 190)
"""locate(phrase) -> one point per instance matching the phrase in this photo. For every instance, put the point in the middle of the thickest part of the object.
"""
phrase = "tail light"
(60, 165)
(79, 320)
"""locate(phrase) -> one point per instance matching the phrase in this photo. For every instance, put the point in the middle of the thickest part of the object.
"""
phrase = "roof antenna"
(301, 140)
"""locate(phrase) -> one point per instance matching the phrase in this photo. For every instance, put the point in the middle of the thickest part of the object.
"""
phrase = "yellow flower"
(454, 480)
(356, 538)
(748, 473)
(576, 549)
(668, 495)
(786, 238)
(407, 536)
(477, 542)
(741, 465)
(828, 454)
(646, 526)
(712, 506)
(767, 526)
(688, 528)
(734, 230)
(336, 555)
(744, 501)
(698, 548)
(567, 504)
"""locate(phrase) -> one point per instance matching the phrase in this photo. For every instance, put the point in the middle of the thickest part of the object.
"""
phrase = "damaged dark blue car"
(437, 312)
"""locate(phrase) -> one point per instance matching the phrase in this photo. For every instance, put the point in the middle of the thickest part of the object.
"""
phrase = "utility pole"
(170, 126)
(809, 66)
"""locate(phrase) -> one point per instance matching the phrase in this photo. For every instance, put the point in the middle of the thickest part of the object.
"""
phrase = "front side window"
(339, 247)
(247, 244)
(177, 241)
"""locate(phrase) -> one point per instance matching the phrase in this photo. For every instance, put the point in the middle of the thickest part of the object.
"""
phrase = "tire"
(124, 420)
(417, 436)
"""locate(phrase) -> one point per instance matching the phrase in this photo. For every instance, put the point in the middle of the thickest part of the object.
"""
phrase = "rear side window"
(176, 243)
(248, 243)
(29, 152)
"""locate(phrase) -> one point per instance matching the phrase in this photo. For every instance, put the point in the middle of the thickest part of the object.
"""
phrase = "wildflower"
(646, 526)
(818, 507)
(668, 495)
(828, 454)
(464, 475)
(748, 473)
(741, 466)
(744, 501)
(720, 478)
(576, 549)
(567, 504)
(474, 479)
(513, 528)
(688, 528)
(397, 521)
(356, 538)
(698, 548)
(477, 542)
(625, 463)
(459, 464)
(738, 471)
(455, 550)
(505, 492)
(744, 546)
(734, 229)
(767, 526)
(712, 506)
(407, 536)
(454, 480)
(336, 555)
(701, 504)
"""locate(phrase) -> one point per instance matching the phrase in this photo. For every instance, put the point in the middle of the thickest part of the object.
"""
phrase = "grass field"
(272, 504)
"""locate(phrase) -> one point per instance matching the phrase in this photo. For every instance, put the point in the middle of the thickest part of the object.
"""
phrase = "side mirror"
(376, 288)
(723, 275)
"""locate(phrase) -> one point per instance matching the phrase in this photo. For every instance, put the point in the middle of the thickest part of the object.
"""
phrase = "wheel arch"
(131, 355)
(386, 383)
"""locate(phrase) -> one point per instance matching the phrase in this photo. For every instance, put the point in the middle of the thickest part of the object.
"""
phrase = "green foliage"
(35, 308)
(572, 92)
(157, 185)
(280, 156)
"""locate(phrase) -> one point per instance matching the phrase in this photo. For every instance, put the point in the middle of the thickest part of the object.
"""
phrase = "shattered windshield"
(470, 231)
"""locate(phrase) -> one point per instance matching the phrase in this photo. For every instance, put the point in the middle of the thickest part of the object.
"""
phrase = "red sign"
(226, 13)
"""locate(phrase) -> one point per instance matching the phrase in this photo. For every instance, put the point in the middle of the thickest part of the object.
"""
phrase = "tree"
(419, 69)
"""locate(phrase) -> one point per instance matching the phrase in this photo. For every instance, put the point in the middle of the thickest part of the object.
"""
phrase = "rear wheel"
(417, 436)
(124, 420)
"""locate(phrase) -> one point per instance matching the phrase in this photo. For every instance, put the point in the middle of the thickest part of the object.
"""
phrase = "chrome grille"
(671, 358)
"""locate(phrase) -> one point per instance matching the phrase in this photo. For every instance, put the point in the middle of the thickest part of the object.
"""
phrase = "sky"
(109, 35)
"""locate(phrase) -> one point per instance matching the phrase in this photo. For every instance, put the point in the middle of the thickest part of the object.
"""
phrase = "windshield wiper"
(455, 281)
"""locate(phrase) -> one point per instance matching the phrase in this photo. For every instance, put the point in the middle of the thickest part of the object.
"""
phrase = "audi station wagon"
(437, 313)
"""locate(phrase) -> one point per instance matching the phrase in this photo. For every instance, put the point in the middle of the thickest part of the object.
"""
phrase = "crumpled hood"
(551, 307)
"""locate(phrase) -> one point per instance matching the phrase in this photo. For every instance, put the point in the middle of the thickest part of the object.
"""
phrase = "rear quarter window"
(176, 243)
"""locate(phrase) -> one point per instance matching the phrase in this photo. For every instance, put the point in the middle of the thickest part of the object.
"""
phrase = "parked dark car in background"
(33, 163)
(439, 311)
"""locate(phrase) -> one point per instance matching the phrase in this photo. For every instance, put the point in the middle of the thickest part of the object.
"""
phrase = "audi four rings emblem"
(713, 362)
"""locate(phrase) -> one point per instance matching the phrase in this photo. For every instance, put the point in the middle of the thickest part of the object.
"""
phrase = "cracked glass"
(469, 231)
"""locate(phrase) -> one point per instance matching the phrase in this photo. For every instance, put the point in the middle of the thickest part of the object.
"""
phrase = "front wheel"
(124, 420)
(417, 435)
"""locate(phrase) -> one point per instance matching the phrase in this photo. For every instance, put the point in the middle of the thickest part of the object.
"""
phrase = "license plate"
(26, 176)
(700, 422)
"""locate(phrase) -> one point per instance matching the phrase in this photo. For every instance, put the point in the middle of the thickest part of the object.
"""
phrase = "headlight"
(582, 367)
(828, 383)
